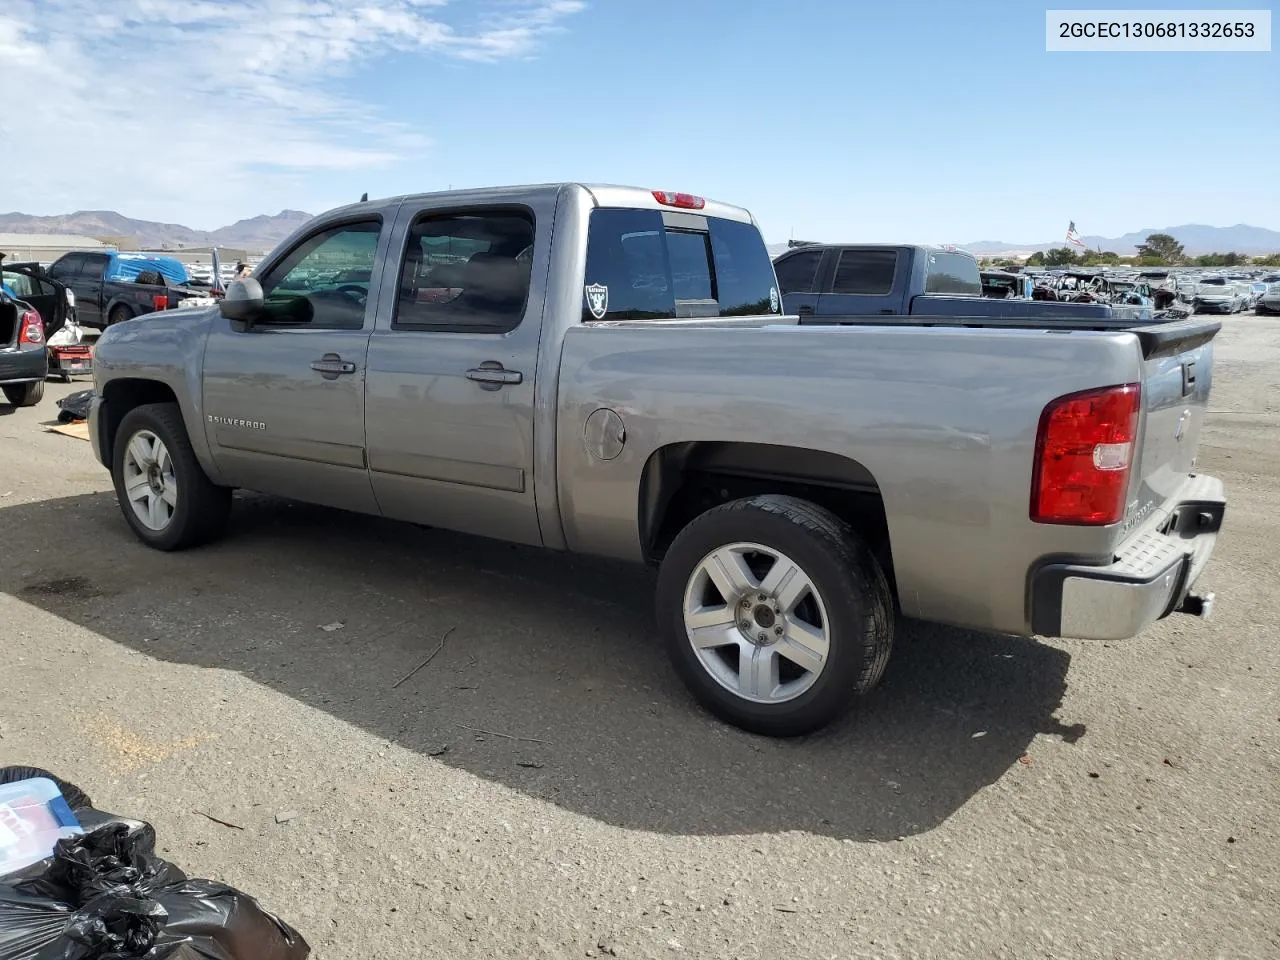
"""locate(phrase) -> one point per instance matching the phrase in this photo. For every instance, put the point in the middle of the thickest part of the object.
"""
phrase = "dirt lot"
(544, 787)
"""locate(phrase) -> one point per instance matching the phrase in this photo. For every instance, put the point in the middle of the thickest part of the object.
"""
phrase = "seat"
(494, 288)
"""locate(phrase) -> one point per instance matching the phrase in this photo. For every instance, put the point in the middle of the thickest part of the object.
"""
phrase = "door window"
(868, 272)
(798, 272)
(68, 267)
(24, 285)
(323, 283)
(466, 273)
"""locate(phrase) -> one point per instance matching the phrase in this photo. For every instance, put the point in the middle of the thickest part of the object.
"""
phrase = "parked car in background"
(608, 370)
(1217, 295)
(110, 288)
(24, 357)
(1269, 302)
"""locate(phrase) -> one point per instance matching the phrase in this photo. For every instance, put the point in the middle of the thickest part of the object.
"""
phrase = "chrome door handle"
(493, 373)
(332, 365)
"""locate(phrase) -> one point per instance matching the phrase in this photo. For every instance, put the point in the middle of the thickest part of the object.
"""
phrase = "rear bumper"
(23, 365)
(1151, 577)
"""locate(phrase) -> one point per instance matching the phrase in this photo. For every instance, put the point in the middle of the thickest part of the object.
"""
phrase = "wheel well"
(121, 396)
(682, 481)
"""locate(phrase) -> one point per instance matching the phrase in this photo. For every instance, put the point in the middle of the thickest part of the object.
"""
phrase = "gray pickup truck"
(608, 370)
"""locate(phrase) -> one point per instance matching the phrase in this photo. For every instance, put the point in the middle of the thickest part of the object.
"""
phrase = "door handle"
(491, 375)
(331, 366)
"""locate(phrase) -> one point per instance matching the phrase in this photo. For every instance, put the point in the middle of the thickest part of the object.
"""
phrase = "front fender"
(166, 348)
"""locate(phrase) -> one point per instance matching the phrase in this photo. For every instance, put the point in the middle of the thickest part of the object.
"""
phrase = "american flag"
(1073, 235)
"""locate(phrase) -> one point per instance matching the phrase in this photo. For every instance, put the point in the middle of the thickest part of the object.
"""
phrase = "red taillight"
(32, 328)
(686, 201)
(1084, 452)
(160, 301)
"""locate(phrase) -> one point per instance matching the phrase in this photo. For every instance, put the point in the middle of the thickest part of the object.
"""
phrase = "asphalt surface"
(543, 786)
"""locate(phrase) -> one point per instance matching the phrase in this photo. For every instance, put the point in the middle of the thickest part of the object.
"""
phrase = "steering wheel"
(352, 290)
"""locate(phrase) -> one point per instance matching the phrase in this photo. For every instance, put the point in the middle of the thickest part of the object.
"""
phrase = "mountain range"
(259, 233)
(1196, 238)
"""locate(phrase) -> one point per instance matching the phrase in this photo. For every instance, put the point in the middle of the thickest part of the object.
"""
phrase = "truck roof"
(928, 248)
(604, 195)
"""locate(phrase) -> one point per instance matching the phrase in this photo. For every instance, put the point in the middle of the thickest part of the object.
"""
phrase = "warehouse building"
(45, 247)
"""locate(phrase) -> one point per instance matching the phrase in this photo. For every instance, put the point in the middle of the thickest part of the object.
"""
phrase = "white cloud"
(216, 109)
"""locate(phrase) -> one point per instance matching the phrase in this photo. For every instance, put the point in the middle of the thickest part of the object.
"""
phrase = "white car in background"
(1217, 295)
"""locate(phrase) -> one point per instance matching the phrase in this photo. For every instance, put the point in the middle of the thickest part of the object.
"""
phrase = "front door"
(451, 370)
(284, 395)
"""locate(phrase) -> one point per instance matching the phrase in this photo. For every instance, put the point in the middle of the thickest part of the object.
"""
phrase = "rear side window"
(466, 273)
(798, 273)
(868, 272)
(955, 273)
(641, 268)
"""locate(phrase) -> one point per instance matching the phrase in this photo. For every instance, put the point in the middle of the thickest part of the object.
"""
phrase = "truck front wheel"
(164, 493)
(776, 615)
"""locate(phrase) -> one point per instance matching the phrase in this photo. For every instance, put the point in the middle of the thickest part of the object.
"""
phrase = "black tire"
(856, 595)
(25, 394)
(119, 314)
(203, 508)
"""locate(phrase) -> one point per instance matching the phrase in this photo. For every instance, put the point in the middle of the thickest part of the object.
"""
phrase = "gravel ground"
(543, 787)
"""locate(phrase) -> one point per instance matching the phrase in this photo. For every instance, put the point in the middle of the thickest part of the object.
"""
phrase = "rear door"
(30, 283)
(452, 362)
(284, 396)
(866, 281)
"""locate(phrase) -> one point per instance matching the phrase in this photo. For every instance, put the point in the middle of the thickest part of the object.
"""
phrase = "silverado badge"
(597, 299)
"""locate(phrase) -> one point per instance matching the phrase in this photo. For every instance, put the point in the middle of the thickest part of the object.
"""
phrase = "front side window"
(68, 266)
(868, 272)
(323, 283)
(798, 273)
(466, 273)
(638, 268)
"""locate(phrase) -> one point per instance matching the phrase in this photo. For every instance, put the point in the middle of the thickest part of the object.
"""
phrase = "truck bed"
(1148, 329)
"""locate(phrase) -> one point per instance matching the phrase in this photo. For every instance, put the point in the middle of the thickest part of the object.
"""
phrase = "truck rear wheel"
(119, 314)
(164, 493)
(776, 615)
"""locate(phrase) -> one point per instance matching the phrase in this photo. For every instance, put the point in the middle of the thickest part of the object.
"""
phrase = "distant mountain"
(1195, 238)
(255, 234)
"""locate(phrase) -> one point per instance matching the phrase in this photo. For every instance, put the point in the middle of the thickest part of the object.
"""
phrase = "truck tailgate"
(1177, 377)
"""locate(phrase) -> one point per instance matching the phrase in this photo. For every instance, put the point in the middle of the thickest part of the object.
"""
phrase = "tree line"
(1158, 250)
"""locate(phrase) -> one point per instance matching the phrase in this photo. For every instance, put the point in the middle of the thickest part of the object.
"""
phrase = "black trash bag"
(75, 406)
(107, 896)
(112, 928)
(30, 925)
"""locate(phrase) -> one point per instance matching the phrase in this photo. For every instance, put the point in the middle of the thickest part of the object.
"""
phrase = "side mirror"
(243, 300)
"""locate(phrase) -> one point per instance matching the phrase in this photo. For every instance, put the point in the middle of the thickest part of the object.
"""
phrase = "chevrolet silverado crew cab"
(609, 371)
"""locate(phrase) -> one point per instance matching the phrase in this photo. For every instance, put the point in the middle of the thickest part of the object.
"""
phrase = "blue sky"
(942, 121)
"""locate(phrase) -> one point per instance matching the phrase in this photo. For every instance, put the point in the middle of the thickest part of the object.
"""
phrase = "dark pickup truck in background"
(827, 282)
(113, 287)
